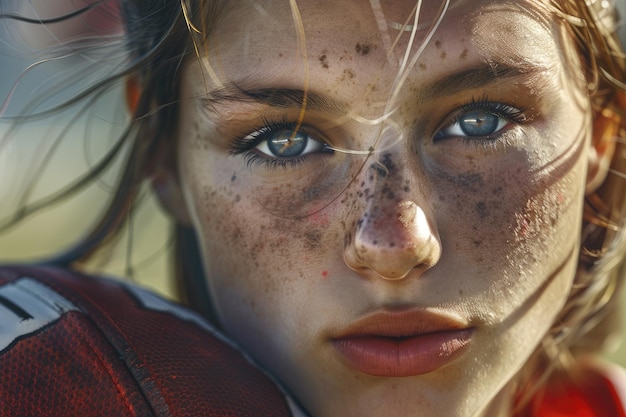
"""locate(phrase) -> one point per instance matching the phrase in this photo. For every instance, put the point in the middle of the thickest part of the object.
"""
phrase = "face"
(389, 217)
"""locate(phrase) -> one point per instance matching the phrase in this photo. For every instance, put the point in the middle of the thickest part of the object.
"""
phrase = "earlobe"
(605, 128)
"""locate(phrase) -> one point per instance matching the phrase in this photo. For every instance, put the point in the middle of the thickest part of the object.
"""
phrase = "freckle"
(362, 49)
(481, 209)
(280, 54)
(348, 74)
(477, 243)
(422, 66)
(323, 60)
(463, 55)
(443, 55)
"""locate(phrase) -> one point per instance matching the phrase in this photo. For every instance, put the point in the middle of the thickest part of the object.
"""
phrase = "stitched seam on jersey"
(110, 371)
(122, 349)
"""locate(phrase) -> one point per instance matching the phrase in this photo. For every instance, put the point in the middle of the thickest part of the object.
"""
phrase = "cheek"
(515, 208)
(256, 259)
(511, 232)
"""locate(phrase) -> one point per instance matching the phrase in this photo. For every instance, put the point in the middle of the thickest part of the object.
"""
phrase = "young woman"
(400, 208)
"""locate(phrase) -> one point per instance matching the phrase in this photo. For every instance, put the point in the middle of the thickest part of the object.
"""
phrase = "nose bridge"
(394, 232)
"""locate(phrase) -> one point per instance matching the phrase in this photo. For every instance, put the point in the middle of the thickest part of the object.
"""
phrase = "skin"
(482, 230)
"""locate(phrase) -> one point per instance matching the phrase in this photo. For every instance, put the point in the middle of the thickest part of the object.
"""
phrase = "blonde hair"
(595, 293)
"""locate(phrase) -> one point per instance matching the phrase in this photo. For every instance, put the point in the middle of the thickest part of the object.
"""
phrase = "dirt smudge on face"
(348, 74)
(363, 48)
(482, 210)
(323, 58)
(312, 238)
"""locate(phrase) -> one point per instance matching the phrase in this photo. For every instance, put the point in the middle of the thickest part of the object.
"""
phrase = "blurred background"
(43, 155)
(46, 154)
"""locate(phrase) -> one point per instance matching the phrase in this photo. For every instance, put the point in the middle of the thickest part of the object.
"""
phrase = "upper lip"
(402, 323)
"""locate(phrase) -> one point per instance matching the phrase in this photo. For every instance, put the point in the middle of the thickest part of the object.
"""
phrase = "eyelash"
(511, 114)
(245, 145)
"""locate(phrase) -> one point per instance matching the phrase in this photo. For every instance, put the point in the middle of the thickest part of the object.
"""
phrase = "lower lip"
(399, 357)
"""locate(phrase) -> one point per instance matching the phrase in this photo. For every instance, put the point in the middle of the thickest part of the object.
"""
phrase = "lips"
(399, 344)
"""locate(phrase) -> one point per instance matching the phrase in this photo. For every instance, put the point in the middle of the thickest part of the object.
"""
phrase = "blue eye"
(480, 120)
(286, 143)
(477, 123)
(279, 144)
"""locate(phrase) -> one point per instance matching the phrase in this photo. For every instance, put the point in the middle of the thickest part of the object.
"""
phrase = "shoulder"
(73, 344)
(615, 377)
(597, 389)
(617, 374)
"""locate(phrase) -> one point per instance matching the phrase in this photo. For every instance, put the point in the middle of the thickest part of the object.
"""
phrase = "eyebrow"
(282, 98)
(474, 78)
(289, 98)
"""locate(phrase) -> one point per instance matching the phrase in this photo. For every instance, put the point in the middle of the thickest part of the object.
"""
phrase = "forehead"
(254, 36)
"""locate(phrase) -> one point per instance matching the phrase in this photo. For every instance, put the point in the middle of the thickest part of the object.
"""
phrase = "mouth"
(400, 344)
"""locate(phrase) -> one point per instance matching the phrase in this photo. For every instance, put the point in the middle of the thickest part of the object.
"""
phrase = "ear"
(605, 127)
(133, 92)
(162, 166)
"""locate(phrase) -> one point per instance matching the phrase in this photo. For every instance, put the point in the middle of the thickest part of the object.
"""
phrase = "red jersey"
(74, 345)
(598, 392)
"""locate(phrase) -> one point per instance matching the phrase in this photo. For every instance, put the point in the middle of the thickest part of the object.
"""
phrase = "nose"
(391, 240)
